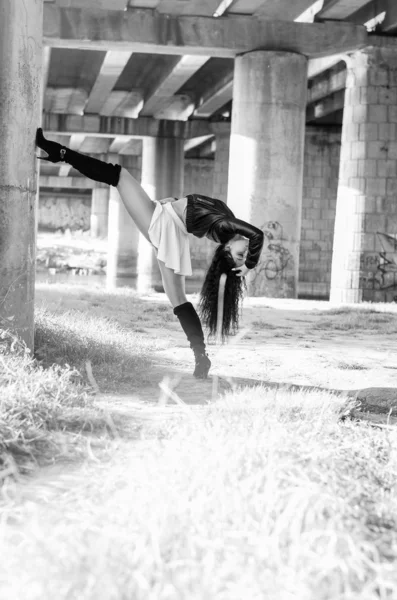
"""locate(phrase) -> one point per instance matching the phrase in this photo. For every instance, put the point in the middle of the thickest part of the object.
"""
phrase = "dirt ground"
(279, 346)
(280, 343)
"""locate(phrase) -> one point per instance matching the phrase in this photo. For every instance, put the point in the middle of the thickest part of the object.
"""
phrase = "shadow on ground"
(176, 387)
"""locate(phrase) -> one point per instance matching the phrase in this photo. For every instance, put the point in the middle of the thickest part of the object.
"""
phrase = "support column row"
(265, 170)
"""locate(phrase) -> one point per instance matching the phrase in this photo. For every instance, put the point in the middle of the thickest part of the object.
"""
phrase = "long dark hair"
(222, 262)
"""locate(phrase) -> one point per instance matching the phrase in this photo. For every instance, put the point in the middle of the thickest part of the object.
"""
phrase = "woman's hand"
(241, 271)
(166, 200)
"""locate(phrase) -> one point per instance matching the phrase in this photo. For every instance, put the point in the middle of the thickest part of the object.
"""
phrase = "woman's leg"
(137, 202)
(141, 208)
(174, 287)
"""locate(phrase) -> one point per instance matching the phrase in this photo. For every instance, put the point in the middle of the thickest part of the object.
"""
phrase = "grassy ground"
(260, 494)
(75, 325)
(46, 413)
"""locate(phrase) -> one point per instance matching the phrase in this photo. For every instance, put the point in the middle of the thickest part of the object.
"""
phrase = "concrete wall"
(63, 210)
(320, 183)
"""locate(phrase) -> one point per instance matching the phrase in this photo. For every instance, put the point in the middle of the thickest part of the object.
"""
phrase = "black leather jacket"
(213, 218)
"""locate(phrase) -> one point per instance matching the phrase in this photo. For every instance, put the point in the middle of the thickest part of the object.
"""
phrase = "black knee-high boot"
(88, 166)
(191, 325)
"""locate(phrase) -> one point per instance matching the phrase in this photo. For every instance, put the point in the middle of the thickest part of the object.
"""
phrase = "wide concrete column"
(364, 266)
(21, 30)
(99, 211)
(266, 162)
(123, 237)
(162, 176)
(221, 163)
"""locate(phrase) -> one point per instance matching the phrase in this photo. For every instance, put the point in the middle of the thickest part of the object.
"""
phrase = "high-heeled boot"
(93, 168)
(191, 325)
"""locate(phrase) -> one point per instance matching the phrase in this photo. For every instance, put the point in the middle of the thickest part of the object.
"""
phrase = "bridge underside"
(297, 100)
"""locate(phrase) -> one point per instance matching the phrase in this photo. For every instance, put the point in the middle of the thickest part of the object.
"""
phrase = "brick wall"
(320, 183)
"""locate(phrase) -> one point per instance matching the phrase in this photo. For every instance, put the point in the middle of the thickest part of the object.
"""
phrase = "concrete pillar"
(162, 167)
(266, 162)
(221, 163)
(162, 176)
(123, 235)
(21, 30)
(364, 266)
(99, 212)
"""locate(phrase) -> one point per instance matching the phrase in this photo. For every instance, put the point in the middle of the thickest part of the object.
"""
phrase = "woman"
(166, 224)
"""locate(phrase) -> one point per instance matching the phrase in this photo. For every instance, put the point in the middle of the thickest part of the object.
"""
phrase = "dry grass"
(261, 496)
(357, 319)
(351, 365)
(44, 412)
(103, 328)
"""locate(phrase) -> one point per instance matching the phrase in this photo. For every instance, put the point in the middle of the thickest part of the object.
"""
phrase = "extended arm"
(236, 226)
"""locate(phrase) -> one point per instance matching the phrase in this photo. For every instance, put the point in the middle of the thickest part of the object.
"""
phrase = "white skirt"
(169, 236)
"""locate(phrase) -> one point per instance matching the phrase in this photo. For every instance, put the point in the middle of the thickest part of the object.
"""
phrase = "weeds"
(44, 412)
(371, 321)
(73, 337)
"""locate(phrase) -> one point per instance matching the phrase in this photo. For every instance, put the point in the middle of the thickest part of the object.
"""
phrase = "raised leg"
(137, 202)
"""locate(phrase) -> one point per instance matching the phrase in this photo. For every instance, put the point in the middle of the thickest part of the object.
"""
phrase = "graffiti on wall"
(275, 256)
(276, 262)
(379, 269)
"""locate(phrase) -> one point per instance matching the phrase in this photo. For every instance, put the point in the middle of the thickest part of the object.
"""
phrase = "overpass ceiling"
(126, 83)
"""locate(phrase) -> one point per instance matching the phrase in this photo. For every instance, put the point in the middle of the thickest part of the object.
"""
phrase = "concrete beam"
(340, 9)
(52, 181)
(244, 7)
(149, 31)
(325, 107)
(111, 69)
(319, 65)
(325, 84)
(204, 150)
(93, 4)
(176, 108)
(117, 145)
(65, 100)
(95, 145)
(309, 15)
(216, 97)
(108, 127)
(195, 142)
(283, 9)
(385, 8)
(123, 104)
(187, 7)
(172, 81)
(390, 22)
(132, 148)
